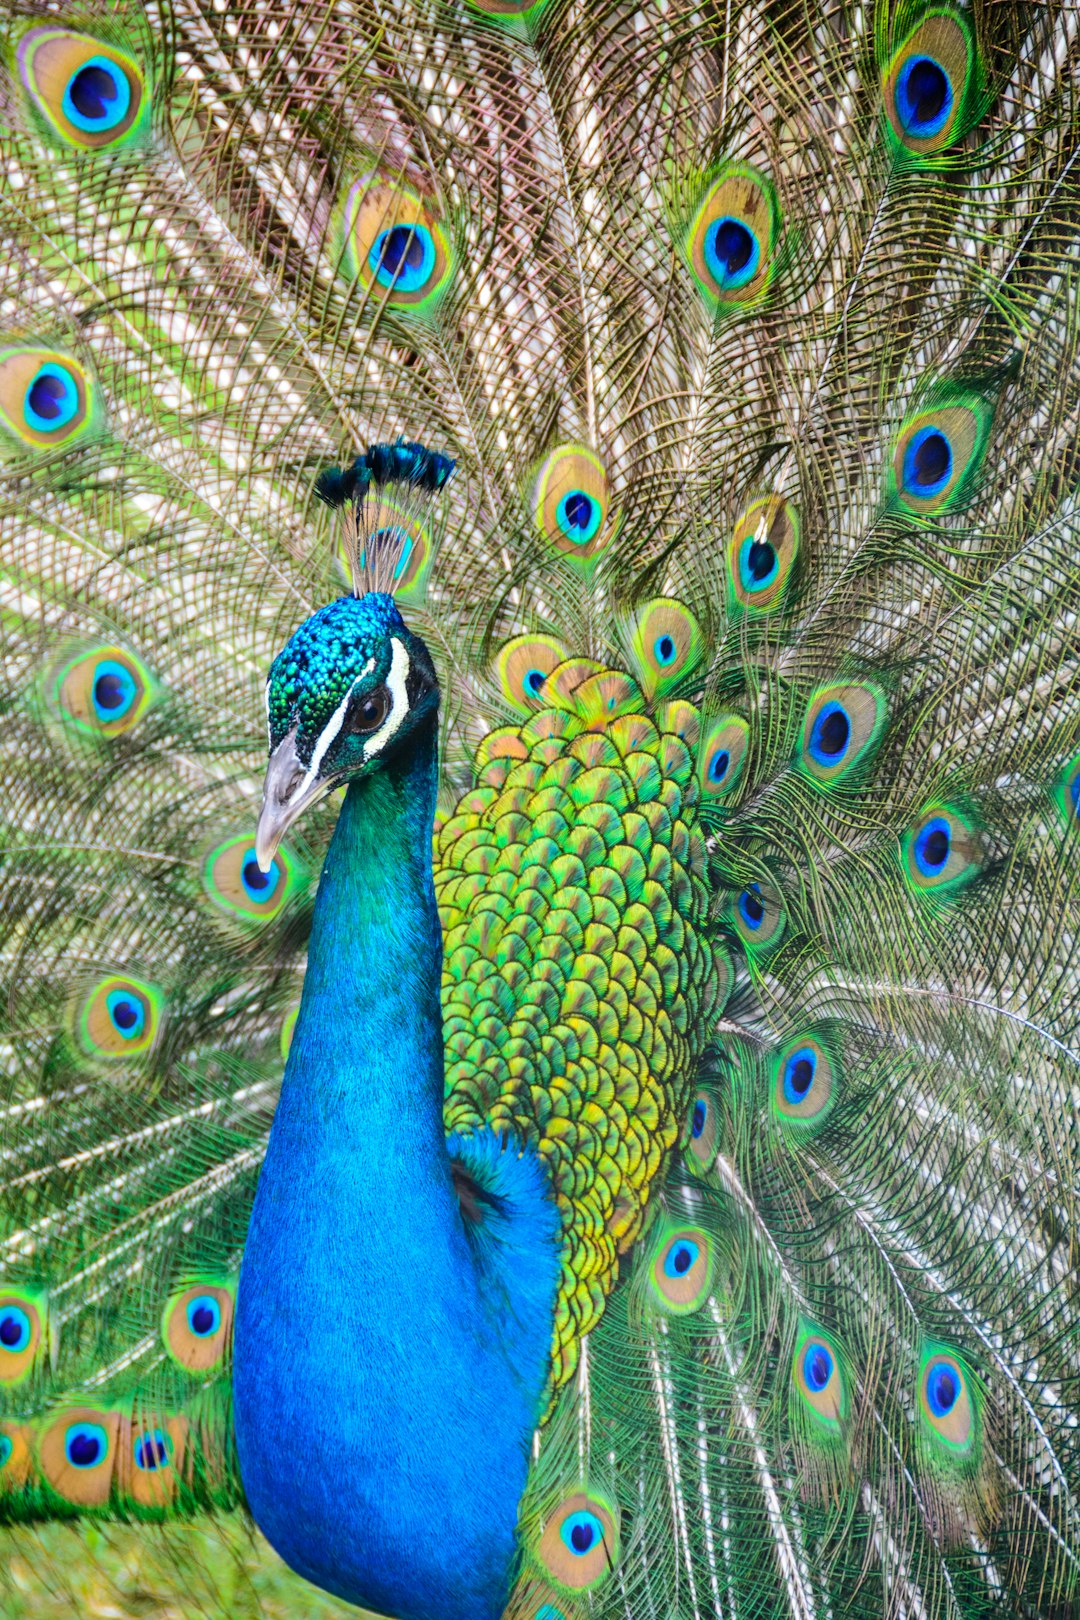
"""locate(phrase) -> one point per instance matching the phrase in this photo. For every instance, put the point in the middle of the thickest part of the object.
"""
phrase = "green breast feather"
(579, 982)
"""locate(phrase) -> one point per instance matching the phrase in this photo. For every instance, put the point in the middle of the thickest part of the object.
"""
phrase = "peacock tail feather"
(752, 332)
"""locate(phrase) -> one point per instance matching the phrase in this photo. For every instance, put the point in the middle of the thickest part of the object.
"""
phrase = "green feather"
(239, 247)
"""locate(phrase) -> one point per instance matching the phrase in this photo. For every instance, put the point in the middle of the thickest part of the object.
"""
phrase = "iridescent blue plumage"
(391, 1355)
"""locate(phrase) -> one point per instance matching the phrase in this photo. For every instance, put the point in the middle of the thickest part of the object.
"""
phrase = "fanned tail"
(753, 336)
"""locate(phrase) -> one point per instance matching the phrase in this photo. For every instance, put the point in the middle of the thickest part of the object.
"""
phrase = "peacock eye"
(370, 712)
(86, 1444)
(152, 1450)
(15, 1329)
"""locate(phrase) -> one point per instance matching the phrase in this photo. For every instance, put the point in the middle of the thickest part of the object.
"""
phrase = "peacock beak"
(288, 790)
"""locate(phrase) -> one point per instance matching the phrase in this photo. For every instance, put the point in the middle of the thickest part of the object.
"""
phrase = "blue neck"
(389, 1364)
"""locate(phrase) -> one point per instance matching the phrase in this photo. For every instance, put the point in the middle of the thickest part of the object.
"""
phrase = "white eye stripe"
(330, 731)
(397, 681)
(326, 737)
(397, 684)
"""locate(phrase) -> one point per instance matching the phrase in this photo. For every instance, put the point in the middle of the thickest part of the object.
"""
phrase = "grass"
(218, 1569)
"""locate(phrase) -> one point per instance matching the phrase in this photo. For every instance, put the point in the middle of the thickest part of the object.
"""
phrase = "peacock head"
(346, 692)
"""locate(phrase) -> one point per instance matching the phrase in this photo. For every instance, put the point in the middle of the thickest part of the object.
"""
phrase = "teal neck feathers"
(390, 1362)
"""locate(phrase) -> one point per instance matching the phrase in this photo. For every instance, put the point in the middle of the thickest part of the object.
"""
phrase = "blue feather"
(389, 1367)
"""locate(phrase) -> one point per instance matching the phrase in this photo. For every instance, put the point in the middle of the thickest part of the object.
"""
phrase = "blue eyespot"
(113, 692)
(52, 399)
(394, 538)
(799, 1071)
(829, 735)
(86, 1445)
(548, 1611)
(581, 1532)
(718, 766)
(403, 257)
(752, 907)
(152, 1450)
(1074, 794)
(817, 1367)
(759, 564)
(665, 650)
(942, 1388)
(933, 845)
(928, 463)
(534, 680)
(259, 886)
(924, 97)
(697, 1122)
(126, 1014)
(680, 1257)
(6, 1448)
(203, 1315)
(15, 1329)
(403, 560)
(578, 516)
(732, 252)
(97, 97)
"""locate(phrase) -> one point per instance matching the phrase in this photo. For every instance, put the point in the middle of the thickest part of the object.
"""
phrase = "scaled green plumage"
(753, 334)
(580, 986)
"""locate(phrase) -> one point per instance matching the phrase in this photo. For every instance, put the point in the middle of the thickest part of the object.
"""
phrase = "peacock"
(540, 632)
